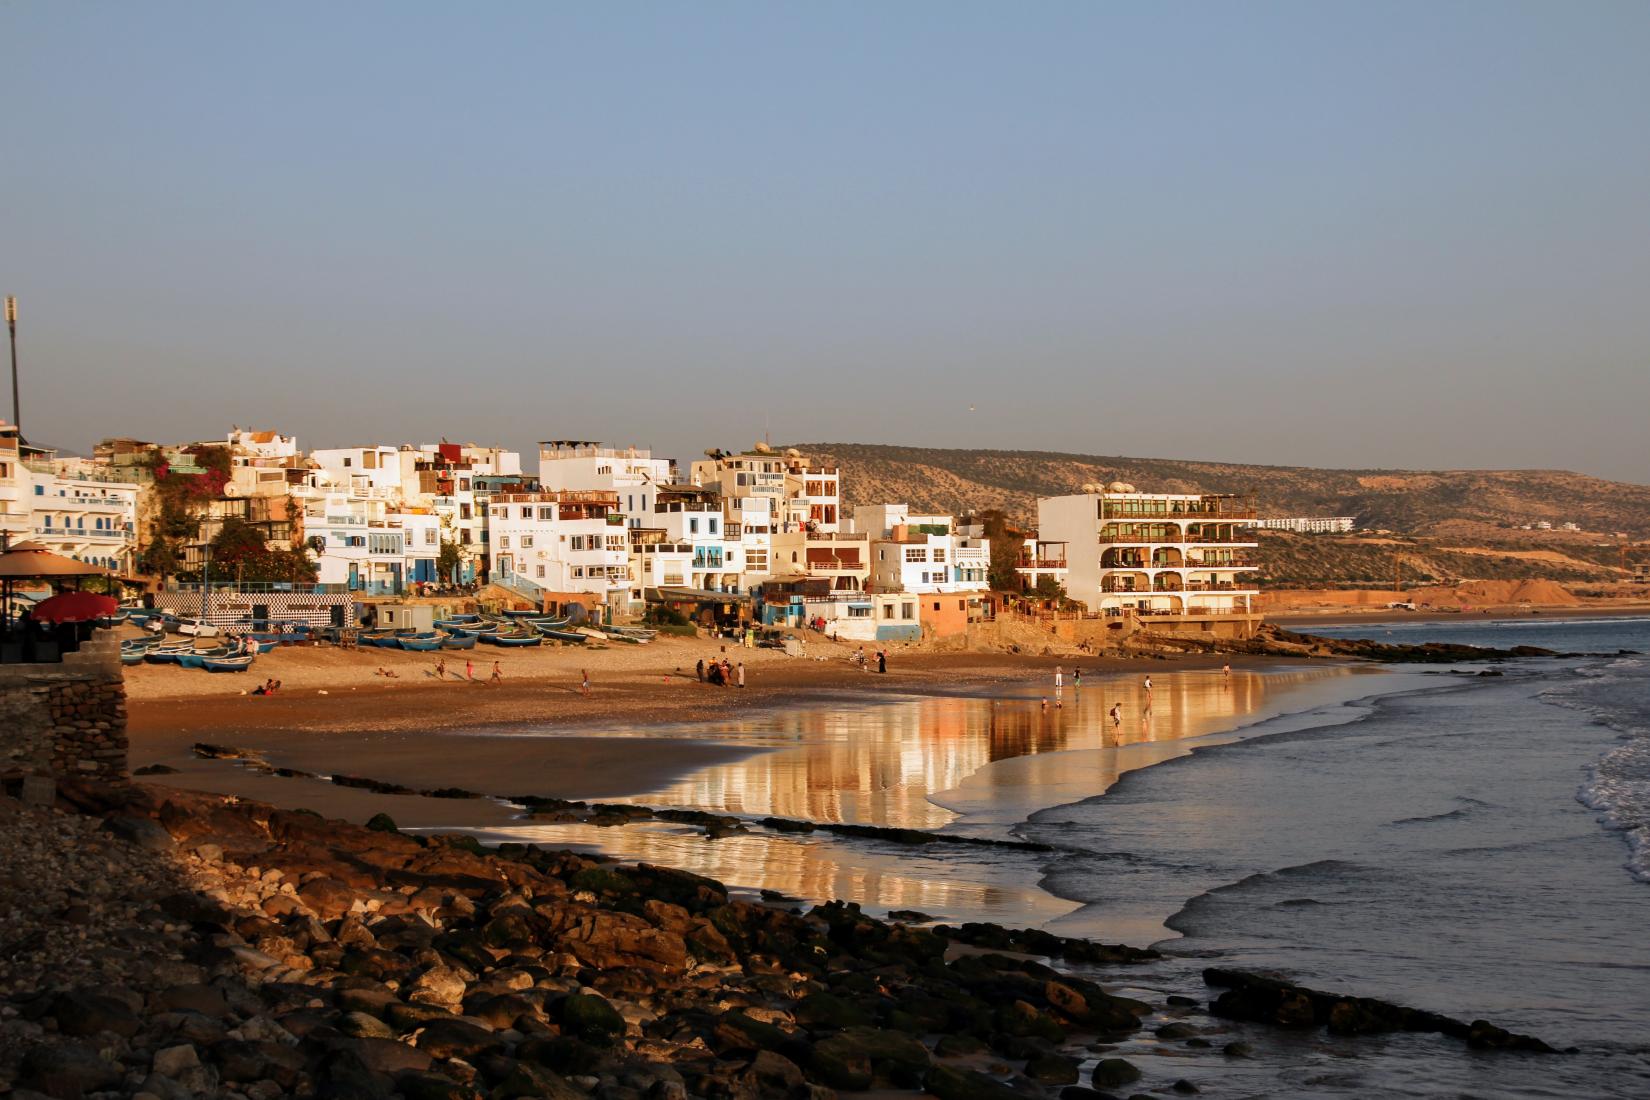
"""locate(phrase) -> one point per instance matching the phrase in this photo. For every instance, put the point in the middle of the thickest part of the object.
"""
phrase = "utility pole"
(16, 406)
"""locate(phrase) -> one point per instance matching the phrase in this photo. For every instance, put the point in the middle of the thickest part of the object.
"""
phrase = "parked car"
(200, 628)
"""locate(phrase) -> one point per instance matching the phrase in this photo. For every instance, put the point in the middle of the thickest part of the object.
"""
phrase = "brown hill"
(1409, 501)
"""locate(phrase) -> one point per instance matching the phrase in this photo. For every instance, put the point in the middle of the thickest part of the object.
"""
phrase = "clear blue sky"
(1388, 234)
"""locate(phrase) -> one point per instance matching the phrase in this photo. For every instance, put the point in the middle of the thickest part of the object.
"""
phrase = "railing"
(82, 533)
(259, 586)
(1206, 513)
(524, 587)
(1147, 539)
(1041, 563)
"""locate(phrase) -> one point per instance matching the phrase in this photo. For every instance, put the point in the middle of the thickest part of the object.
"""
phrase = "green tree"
(1006, 542)
(447, 560)
(1047, 588)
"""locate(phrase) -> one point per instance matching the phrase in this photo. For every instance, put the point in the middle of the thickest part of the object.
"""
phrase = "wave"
(1468, 806)
(1617, 785)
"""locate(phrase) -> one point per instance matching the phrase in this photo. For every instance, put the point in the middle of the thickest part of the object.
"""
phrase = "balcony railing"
(1041, 563)
(1148, 539)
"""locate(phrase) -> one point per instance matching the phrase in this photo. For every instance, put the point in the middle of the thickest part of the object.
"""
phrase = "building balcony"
(1168, 538)
(1040, 563)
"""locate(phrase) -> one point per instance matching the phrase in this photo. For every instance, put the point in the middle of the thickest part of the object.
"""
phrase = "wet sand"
(1304, 620)
(644, 725)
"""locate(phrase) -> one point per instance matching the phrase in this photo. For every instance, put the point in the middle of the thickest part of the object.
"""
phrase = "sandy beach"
(336, 715)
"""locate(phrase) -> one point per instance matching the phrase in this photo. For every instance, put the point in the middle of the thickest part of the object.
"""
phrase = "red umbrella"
(74, 607)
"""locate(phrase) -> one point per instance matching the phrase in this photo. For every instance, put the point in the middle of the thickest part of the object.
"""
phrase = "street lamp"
(16, 406)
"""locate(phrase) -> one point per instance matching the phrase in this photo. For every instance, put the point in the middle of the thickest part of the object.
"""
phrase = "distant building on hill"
(1310, 525)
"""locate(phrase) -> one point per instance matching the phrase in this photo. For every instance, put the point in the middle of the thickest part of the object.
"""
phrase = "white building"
(632, 473)
(558, 544)
(356, 544)
(1176, 556)
(16, 488)
(86, 518)
(921, 553)
(1310, 525)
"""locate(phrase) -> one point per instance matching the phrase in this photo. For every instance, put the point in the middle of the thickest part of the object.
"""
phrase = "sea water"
(1476, 848)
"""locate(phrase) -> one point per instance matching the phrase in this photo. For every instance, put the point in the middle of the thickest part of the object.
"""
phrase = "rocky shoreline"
(165, 944)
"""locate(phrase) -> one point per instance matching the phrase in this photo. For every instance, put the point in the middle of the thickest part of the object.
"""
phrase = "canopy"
(30, 560)
(74, 607)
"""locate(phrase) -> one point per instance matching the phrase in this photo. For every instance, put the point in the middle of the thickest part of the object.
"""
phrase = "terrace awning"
(31, 561)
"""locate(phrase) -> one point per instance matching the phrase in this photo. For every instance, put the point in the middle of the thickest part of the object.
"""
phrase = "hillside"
(1409, 501)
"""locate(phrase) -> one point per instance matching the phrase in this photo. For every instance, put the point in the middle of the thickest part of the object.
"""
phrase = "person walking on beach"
(584, 683)
(1226, 670)
(1148, 683)
(1059, 678)
(469, 669)
(498, 674)
(1076, 678)
(441, 669)
(882, 661)
(741, 673)
(699, 670)
(1116, 715)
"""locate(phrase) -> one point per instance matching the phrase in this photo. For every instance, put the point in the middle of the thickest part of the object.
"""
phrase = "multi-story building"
(88, 518)
(922, 553)
(356, 543)
(1309, 525)
(1184, 561)
(16, 487)
(560, 546)
(632, 473)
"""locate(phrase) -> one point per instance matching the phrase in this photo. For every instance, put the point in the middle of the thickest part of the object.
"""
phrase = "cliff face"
(1411, 501)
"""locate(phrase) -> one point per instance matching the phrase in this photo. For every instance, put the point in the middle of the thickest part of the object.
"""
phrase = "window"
(936, 605)
(547, 511)
(710, 524)
(464, 536)
(916, 553)
(541, 571)
(693, 525)
(39, 490)
(756, 561)
(526, 542)
(907, 610)
(504, 542)
(887, 611)
(463, 484)
(859, 612)
(939, 554)
(348, 462)
(526, 513)
(429, 536)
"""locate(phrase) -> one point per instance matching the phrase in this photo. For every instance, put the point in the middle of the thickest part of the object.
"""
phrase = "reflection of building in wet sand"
(879, 764)
(993, 761)
(941, 881)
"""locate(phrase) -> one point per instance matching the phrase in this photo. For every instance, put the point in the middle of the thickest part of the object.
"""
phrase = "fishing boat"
(423, 642)
(167, 654)
(461, 621)
(384, 639)
(196, 658)
(459, 640)
(512, 639)
(572, 636)
(227, 664)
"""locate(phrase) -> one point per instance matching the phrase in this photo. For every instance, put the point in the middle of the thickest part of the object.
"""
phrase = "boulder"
(1112, 1072)
(67, 1071)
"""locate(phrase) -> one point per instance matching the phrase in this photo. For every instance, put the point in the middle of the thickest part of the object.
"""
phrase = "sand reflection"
(980, 765)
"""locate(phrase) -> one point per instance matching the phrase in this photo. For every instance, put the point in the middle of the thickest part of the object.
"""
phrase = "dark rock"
(382, 823)
(529, 1080)
(242, 1060)
(590, 1018)
(949, 1083)
(155, 769)
(1185, 1086)
(455, 1038)
(85, 1013)
(361, 1024)
(1238, 1050)
(1111, 1072)
(144, 832)
(67, 1071)
(431, 1086)
(826, 1012)
(1176, 1030)
(562, 1053)
(1053, 1069)
(202, 999)
(958, 1046)
(894, 1056)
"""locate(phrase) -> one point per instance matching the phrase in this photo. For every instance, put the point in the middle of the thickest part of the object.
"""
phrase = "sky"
(1391, 234)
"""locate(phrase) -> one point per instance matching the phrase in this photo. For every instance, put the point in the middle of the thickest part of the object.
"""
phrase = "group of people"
(880, 657)
(268, 687)
(721, 673)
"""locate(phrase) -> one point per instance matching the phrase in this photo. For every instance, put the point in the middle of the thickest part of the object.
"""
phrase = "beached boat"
(227, 664)
(572, 636)
(458, 621)
(421, 642)
(196, 658)
(168, 654)
(512, 639)
(459, 640)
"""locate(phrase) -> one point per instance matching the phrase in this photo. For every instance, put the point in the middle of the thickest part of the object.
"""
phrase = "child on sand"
(441, 669)
(1116, 714)
(584, 683)
(498, 674)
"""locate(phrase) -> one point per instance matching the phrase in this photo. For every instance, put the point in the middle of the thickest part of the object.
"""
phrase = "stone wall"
(65, 719)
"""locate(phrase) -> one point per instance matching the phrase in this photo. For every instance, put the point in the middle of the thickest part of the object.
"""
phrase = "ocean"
(1474, 845)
